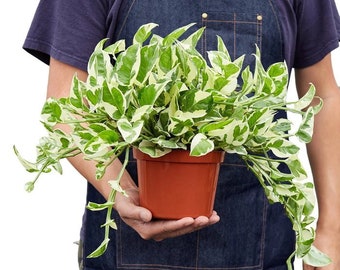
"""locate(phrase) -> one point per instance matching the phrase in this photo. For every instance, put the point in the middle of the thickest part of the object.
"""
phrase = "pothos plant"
(160, 94)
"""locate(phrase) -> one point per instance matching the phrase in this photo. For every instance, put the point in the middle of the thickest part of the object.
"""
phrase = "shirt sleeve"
(318, 31)
(67, 30)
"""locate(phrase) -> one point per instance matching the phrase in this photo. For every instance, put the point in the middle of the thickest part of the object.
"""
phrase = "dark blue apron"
(251, 234)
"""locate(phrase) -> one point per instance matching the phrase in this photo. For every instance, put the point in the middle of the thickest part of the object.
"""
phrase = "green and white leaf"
(130, 131)
(201, 145)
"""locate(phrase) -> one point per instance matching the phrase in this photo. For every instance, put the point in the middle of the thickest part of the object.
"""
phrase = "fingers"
(140, 219)
(159, 230)
(162, 229)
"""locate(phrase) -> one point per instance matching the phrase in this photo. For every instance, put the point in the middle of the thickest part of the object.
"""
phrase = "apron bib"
(251, 234)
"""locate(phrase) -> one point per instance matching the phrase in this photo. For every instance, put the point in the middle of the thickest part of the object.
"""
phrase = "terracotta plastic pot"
(178, 185)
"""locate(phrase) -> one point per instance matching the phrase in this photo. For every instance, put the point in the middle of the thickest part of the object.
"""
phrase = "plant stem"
(113, 193)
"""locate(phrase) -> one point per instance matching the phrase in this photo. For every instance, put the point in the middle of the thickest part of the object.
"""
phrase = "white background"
(37, 230)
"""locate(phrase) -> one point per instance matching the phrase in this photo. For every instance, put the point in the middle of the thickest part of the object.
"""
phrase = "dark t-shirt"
(68, 30)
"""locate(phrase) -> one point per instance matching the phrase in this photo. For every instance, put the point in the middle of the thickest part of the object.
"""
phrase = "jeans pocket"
(136, 253)
(238, 240)
(239, 31)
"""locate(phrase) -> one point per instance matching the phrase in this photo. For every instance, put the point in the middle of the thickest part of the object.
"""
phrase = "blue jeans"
(251, 234)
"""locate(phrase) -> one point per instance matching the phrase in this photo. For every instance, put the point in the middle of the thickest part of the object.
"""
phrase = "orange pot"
(178, 185)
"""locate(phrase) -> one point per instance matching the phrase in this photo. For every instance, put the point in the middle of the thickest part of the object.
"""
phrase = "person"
(245, 232)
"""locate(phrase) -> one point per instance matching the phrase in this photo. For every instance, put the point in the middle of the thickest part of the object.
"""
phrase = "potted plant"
(160, 95)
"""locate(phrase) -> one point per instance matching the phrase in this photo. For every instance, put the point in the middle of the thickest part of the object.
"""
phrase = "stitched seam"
(204, 39)
(234, 23)
(259, 33)
(126, 17)
(197, 251)
(274, 11)
(263, 237)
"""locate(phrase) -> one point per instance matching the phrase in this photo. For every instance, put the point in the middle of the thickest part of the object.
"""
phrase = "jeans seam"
(259, 33)
(197, 251)
(277, 20)
(263, 237)
(125, 19)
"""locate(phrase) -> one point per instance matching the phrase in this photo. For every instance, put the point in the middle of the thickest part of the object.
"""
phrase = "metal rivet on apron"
(259, 17)
(204, 15)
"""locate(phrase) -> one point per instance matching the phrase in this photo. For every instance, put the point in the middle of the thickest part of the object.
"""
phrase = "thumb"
(145, 215)
(128, 210)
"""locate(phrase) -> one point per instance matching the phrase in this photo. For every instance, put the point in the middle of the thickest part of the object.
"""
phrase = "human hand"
(328, 241)
(140, 219)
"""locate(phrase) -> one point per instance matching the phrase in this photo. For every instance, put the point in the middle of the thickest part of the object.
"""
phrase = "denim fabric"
(241, 24)
(251, 234)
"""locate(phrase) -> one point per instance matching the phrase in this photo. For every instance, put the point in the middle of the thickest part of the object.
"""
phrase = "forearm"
(59, 81)
(88, 170)
(324, 155)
